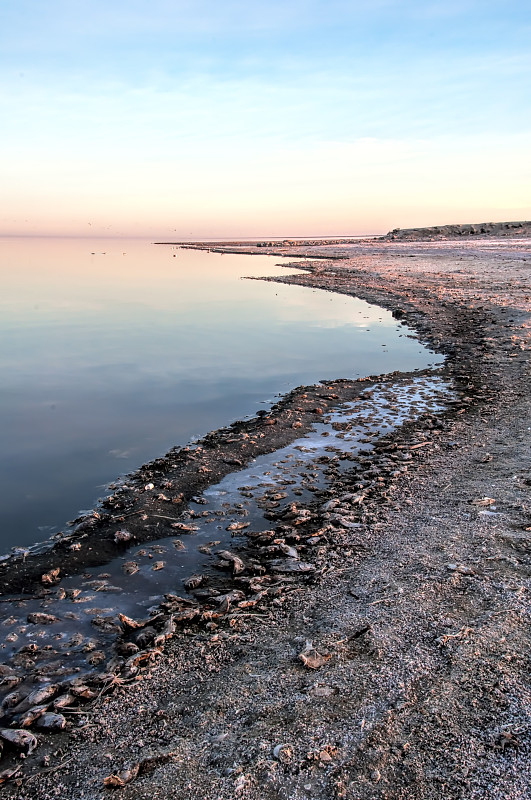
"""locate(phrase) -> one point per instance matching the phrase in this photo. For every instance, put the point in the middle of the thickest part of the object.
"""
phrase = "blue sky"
(283, 118)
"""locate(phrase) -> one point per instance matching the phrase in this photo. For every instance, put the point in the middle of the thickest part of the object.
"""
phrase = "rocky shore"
(397, 663)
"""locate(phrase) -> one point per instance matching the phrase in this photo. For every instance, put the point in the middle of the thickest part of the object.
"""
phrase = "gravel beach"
(397, 664)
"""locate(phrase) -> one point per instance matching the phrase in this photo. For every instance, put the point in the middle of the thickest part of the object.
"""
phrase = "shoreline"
(435, 584)
(191, 469)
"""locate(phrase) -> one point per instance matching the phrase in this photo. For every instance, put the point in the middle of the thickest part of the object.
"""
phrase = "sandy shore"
(400, 667)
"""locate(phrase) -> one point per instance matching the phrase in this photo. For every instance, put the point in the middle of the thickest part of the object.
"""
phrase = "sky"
(179, 119)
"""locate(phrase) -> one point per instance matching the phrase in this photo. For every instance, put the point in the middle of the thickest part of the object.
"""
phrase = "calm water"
(113, 351)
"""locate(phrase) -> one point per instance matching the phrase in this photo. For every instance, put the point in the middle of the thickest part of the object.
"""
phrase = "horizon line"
(194, 239)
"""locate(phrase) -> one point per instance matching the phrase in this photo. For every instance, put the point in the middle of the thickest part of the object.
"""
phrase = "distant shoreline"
(432, 233)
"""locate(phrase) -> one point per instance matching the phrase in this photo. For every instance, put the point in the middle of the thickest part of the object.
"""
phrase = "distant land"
(509, 229)
(454, 231)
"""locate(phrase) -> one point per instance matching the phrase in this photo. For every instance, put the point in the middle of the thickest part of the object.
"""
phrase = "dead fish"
(9, 774)
(23, 660)
(64, 701)
(83, 691)
(182, 526)
(32, 715)
(462, 569)
(166, 633)
(96, 658)
(130, 567)
(291, 552)
(144, 637)
(106, 624)
(209, 615)
(133, 624)
(108, 587)
(186, 614)
(128, 622)
(175, 598)
(122, 778)
(133, 662)
(179, 545)
(302, 518)
(193, 581)
(237, 526)
(9, 621)
(262, 536)
(73, 593)
(29, 648)
(51, 722)
(237, 564)
(89, 646)
(225, 600)
(11, 680)
(110, 677)
(290, 565)
(127, 648)
(233, 597)
(6, 671)
(482, 501)
(253, 600)
(19, 738)
(38, 618)
(97, 583)
(37, 697)
(51, 577)
(88, 522)
(158, 565)
(168, 628)
(12, 699)
(113, 667)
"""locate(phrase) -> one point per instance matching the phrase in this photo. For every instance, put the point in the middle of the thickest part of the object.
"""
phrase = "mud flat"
(372, 641)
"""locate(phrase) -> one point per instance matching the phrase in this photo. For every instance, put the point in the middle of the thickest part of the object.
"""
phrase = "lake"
(112, 351)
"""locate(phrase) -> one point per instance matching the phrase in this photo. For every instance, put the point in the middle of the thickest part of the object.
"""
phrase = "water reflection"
(113, 351)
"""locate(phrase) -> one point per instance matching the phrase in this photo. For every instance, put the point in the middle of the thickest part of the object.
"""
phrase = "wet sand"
(398, 664)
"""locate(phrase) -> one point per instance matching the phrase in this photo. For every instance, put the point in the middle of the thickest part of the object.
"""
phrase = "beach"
(397, 664)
